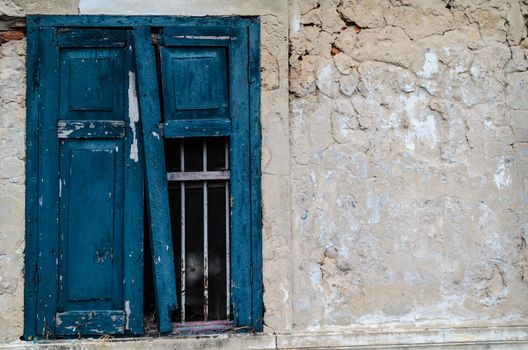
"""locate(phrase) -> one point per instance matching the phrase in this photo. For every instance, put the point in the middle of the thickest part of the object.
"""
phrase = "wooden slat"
(32, 147)
(157, 191)
(255, 173)
(97, 322)
(240, 194)
(105, 21)
(75, 37)
(134, 206)
(196, 128)
(196, 35)
(198, 175)
(48, 184)
(79, 129)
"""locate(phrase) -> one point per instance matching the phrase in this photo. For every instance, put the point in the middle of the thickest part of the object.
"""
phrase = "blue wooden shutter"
(90, 217)
(205, 81)
(157, 190)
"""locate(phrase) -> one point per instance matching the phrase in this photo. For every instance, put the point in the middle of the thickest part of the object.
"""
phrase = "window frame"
(250, 303)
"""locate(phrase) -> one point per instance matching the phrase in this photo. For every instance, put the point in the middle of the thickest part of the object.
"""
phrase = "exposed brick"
(11, 35)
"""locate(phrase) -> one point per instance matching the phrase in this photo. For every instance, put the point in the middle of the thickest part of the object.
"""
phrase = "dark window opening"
(198, 174)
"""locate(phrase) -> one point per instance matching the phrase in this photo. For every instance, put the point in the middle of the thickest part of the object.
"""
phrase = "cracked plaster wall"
(408, 131)
(403, 156)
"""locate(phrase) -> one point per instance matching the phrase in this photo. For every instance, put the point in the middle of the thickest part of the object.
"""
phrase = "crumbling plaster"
(408, 126)
(396, 147)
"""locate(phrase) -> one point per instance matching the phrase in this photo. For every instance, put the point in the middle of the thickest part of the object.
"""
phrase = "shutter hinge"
(160, 125)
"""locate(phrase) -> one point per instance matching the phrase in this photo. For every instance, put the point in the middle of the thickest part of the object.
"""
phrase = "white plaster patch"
(296, 22)
(425, 130)
(475, 72)
(430, 66)
(127, 313)
(409, 143)
(502, 175)
(423, 127)
(133, 112)
(325, 78)
(373, 204)
(315, 277)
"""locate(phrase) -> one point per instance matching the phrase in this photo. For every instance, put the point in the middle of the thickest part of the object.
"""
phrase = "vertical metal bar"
(205, 235)
(227, 212)
(182, 196)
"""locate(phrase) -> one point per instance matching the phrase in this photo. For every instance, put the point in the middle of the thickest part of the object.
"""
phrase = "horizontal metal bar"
(81, 129)
(198, 175)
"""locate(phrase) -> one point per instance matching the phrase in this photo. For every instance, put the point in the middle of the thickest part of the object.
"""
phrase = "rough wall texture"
(401, 166)
(12, 133)
(408, 123)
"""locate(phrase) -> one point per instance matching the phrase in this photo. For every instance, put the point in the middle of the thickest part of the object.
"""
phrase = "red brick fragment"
(11, 35)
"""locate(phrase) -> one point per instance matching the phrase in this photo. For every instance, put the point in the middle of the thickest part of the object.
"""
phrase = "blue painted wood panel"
(157, 191)
(82, 129)
(194, 82)
(48, 184)
(91, 205)
(240, 186)
(91, 84)
(255, 137)
(90, 225)
(196, 128)
(32, 153)
(77, 323)
(58, 61)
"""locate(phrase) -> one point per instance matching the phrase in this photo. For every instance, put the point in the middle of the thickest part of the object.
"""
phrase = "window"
(143, 164)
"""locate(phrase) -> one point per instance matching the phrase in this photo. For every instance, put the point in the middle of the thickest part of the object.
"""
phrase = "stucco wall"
(394, 144)
(408, 164)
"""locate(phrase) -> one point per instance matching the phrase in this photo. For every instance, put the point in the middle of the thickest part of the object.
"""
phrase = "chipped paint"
(127, 314)
(133, 113)
(502, 176)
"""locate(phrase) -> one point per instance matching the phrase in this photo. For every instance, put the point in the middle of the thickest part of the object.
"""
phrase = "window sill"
(211, 341)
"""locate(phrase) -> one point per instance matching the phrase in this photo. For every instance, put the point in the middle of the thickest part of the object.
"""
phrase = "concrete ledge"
(500, 338)
(235, 342)
(511, 337)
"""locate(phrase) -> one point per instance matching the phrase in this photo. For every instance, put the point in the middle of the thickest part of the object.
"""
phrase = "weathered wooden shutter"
(157, 190)
(205, 82)
(86, 130)
(90, 218)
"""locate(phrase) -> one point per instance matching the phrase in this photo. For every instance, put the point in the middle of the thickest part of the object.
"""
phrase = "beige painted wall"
(395, 145)
(408, 163)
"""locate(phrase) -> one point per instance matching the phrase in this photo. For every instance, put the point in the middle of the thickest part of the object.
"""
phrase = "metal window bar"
(203, 176)
(205, 234)
(227, 212)
(182, 196)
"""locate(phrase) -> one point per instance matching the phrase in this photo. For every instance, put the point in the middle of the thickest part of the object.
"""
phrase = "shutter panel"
(157, 190)
(205, 85)
(90, 220)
